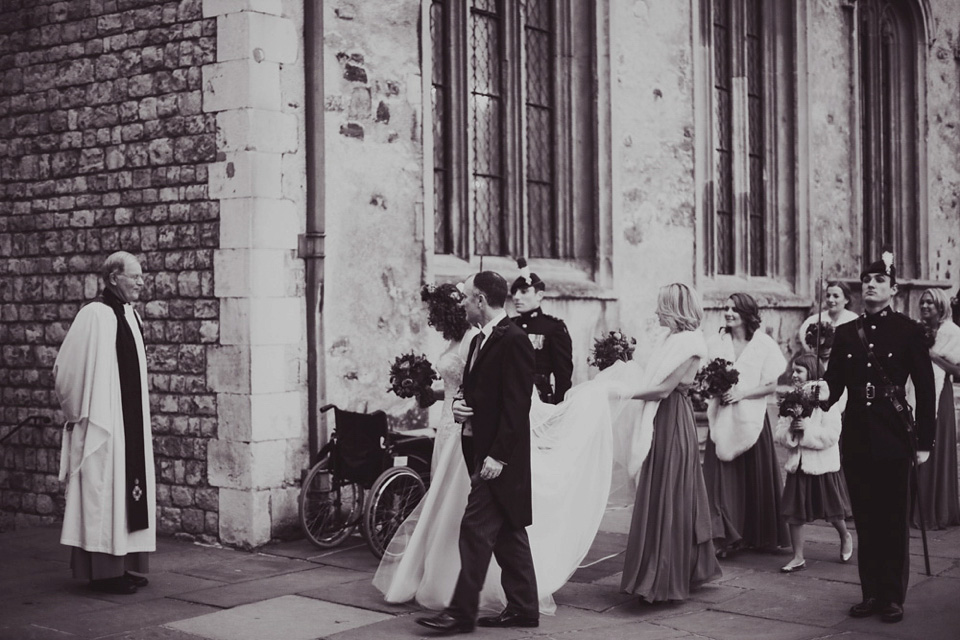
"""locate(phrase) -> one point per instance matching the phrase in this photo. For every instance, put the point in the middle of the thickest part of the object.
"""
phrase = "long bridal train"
(572, 472)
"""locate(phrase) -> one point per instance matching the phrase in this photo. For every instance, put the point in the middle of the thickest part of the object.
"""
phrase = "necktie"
(475, 345)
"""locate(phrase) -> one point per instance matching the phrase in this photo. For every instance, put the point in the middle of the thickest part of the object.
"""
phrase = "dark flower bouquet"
(614, 346)
(715, 379)
(411, 376)
(827, 332)
(797, 405)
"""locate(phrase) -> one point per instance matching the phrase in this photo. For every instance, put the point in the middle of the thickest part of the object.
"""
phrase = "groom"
(495, 414)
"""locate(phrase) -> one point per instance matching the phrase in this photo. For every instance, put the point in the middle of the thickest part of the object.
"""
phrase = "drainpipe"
(311, 244)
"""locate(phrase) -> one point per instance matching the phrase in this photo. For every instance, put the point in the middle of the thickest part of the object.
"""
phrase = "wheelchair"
(366, 476)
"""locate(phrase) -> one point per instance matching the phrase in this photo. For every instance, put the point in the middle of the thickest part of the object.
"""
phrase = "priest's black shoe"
(865, 609)
(135, 580)
(508, 619)
(119, 585)
(891, 612)
(446, 624)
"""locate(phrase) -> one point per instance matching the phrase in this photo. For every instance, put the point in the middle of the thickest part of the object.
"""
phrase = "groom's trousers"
(485, 530)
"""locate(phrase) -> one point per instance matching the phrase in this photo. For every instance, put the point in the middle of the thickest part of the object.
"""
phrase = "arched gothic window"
(512, 126)
(889, 35)
(748, 91)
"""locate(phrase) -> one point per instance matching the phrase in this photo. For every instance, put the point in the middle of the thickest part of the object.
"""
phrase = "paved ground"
(293, 591)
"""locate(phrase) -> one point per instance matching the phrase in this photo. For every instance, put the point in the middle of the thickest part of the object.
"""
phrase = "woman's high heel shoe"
(793, 568)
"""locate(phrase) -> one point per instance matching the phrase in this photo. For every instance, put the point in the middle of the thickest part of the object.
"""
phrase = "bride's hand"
(461, 412)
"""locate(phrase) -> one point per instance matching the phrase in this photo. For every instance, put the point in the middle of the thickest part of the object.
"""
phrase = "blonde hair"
(940, 303)
(680, 308)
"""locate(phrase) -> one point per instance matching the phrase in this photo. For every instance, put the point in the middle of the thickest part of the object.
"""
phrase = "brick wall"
(104, 146)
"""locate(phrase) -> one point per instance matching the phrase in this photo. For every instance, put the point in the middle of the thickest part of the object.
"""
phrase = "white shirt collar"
(487, 328)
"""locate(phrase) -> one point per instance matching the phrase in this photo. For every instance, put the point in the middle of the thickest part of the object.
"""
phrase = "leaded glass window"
(499, 72)
(888, 120)
(740, 150)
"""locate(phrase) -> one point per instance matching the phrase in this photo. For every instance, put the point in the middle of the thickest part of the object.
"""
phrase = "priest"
(106, 454)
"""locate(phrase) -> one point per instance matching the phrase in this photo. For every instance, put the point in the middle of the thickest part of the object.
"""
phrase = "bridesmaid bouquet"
(797, 405)
(614, 346)
(826, 335)
(412, 376)
(716, 378)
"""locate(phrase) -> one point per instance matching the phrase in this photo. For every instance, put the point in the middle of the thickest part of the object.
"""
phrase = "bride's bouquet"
(412, 376)
(614, 346)
(715, 379)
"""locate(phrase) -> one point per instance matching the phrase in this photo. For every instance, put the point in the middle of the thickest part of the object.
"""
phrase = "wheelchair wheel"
(328, 513)
(393, 497)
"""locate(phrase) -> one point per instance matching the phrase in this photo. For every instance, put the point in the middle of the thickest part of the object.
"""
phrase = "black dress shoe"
(864, 609)
(891, 612)
(135, 580)
(509, 619)
(119, 586)
(446, 624)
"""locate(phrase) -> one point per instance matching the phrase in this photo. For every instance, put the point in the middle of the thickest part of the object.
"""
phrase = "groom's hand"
(491, 469)
(461, 412)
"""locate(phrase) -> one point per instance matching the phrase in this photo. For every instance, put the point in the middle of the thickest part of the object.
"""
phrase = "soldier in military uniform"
(549, 336)
(876, 448)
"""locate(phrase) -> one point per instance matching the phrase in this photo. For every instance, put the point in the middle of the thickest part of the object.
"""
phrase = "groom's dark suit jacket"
(498, 388)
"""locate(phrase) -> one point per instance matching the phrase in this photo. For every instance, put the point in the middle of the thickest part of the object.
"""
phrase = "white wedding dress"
(571, 470)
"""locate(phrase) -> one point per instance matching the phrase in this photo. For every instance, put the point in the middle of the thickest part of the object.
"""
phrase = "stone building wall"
(104, 145)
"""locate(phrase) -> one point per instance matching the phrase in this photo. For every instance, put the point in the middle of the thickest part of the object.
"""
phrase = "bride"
(572, 466)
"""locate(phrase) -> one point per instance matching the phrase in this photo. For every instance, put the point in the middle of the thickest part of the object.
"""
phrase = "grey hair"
(116, 263)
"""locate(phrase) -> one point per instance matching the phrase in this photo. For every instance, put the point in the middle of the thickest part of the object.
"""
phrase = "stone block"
(228, 368)
(246, 174)
(256, 130)
(265, 363)
(241, 84)
(284, 515)
(259, 417)
(261, 321)
(246, 465)
(212, 8)
(249, 272)
(258, 223)
(244, 517)
(256, 35)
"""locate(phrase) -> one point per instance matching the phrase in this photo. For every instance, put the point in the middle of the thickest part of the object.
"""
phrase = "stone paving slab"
(804, 582)
(243, 567)
(153, 633)
(357, 557)
(590, 596)
(626, 631)
(118, 619)
(286, 618)
(29, 575)
(719, 625)
(304, 549)
(162, 585)
(358, 593)
(186, 555)
(802, 607)
(931, 612)
(33, 632)
(31, 607)
(232, 595)
(713, 593)
(638, 611)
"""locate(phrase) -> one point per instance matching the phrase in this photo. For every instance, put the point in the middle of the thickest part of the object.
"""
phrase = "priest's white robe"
(92, 458)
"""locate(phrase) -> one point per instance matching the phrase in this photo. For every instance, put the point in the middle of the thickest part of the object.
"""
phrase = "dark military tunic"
(554, 350)
(874, 447)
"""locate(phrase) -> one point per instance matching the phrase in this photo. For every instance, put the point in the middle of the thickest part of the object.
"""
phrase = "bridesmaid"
(815, 488)
(669, 550)
(740, 463)
(836, 299)
(938, 478)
